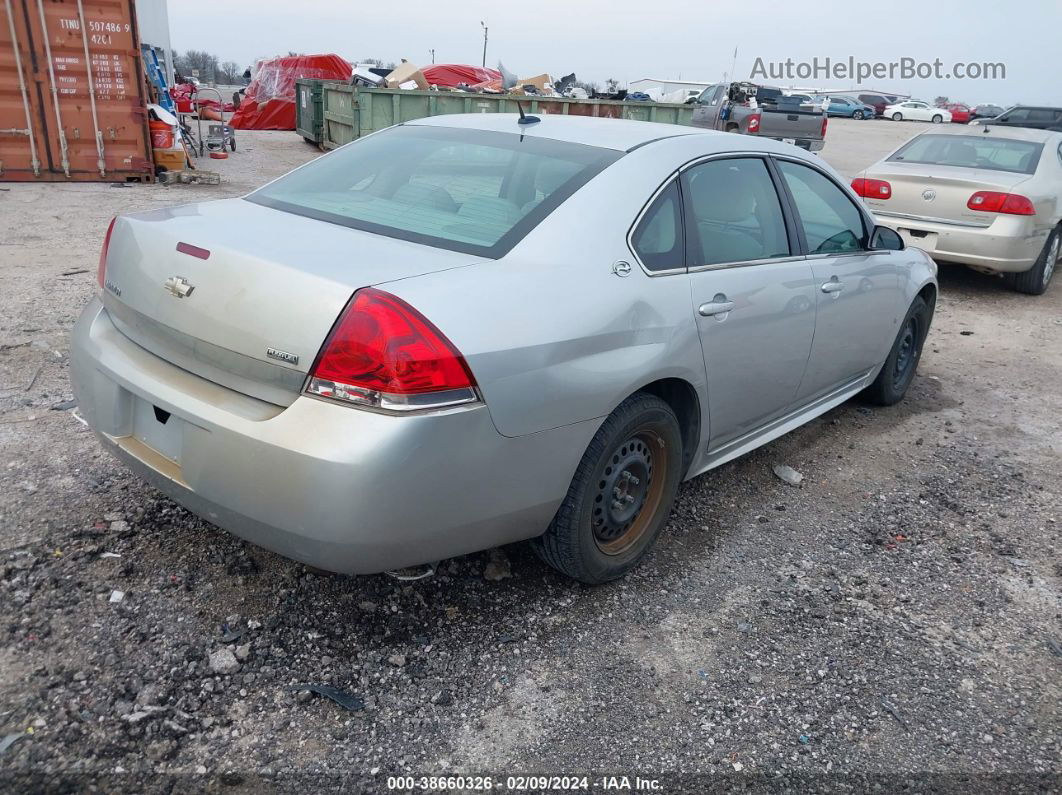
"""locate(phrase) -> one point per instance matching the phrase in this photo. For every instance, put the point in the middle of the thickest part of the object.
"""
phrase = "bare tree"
(940, 102)
(612, 85)
(229, 72)
(204, 62)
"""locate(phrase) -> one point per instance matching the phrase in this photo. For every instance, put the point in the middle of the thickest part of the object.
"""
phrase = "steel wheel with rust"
(621, 494)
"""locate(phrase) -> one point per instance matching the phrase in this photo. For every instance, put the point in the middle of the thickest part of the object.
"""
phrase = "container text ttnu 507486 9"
(72, 96)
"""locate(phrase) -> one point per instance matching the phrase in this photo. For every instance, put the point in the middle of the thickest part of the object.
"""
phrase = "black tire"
(1036, 280)
(896, 374)
(937, 118)
(232, 143)
(634, 461)
(858, 115)
(897, 116)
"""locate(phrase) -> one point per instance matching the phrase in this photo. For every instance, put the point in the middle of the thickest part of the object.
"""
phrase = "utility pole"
(432, 54)
(485, 29)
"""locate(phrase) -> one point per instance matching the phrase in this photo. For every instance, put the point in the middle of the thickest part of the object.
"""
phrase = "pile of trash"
(462, 77)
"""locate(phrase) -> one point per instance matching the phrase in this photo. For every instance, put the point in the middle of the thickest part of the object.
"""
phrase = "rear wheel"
(1035, 280)
(897, 117)
(937, 118)
(621, 495)
(898, 371)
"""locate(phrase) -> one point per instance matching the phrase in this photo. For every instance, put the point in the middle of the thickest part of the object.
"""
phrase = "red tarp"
(450, 75)
(186, 99)
(269, 102)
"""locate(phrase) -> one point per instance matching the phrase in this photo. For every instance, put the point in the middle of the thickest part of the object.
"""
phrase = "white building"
(676, 89)
(153, 23)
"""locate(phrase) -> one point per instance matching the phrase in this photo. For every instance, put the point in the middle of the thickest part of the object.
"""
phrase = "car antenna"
(524, 119)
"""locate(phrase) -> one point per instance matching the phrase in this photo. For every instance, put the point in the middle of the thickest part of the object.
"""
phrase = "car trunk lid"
(244, 295)
(941, 195)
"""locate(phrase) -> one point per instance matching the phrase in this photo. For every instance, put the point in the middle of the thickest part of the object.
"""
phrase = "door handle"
(832, 286)
(718, 306)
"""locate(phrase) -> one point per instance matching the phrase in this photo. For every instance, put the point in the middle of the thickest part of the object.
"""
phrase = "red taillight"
(825, 121)
(101, 271)
(872, 188)
(990, 201)
(754, 123)
(383, 353)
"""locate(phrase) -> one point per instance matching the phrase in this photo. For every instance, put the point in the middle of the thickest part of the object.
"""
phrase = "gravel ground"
(892, 622)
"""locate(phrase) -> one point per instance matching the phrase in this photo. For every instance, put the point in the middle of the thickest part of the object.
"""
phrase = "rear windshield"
(473, 191)
(972, 151)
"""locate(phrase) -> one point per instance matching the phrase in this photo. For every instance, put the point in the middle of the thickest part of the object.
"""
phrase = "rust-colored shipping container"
(72, 93)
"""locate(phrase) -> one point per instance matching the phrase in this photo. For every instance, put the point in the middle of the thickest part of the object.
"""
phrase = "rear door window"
(830, 220)
(734, 213)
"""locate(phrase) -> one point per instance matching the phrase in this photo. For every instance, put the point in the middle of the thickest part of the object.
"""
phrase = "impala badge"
(179, 286)
(284, 356)
(929, 194)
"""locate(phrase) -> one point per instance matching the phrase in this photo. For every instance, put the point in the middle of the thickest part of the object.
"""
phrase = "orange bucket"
(161, 134)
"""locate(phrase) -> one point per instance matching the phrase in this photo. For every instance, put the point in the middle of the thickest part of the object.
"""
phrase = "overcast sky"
(598, 39)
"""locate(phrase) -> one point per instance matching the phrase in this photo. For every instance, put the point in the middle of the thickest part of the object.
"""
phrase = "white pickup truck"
(760, 110)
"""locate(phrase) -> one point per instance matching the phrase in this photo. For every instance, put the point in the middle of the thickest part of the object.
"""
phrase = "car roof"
(619, 134)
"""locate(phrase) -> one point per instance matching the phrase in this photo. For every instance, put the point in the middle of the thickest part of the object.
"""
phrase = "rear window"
(474, 191)
(970, 151)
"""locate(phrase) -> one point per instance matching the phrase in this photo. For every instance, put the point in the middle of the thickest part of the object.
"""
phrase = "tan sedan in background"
(990, 199)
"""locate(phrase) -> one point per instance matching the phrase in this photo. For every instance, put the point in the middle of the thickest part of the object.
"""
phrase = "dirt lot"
(894, 620)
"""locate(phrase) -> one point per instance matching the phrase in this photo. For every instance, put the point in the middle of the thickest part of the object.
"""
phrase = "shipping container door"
(84, 89)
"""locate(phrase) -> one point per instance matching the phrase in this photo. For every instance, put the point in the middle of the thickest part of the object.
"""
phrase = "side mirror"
(885, 239)
(1005, 118)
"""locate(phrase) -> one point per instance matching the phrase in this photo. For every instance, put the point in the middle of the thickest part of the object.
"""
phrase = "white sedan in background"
(916, 110)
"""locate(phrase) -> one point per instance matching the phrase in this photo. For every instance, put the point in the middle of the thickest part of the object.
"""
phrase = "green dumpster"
(308, 120)
(352, 111)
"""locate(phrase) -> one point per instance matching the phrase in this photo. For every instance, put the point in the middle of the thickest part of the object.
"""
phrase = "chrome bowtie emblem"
(179, 286)
(929, 194)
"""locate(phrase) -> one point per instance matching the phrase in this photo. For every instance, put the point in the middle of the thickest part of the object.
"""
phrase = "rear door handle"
(832, 286)
(716, 307)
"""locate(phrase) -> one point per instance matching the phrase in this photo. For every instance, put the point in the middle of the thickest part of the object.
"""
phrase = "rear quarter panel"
(551, 334)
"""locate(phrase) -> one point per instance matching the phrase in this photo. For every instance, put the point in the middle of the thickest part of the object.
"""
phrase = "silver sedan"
(468, 331)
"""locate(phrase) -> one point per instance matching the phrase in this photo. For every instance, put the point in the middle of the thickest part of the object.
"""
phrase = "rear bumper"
(1009, 245)
(336, 487)
(807, 144)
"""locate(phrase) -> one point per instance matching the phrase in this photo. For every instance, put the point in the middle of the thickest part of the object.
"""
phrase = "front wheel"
(858, 115)
(898, 371)
(937, 118)
(621, 495)
(897, 117)
(1035, 280)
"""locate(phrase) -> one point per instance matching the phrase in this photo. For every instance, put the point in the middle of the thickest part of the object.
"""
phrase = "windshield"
(466, 190)
(969, 151)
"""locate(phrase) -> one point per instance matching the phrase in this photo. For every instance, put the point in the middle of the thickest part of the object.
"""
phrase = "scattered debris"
(74, 272)
(9, 740)
(966, 333)
(892, 711)
(788, 474)
(116, 597)
(223, 661)
(345, 700)
(66, 405)
(498, 567)
(229, 635)
(1055, 646)
(189, 177)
